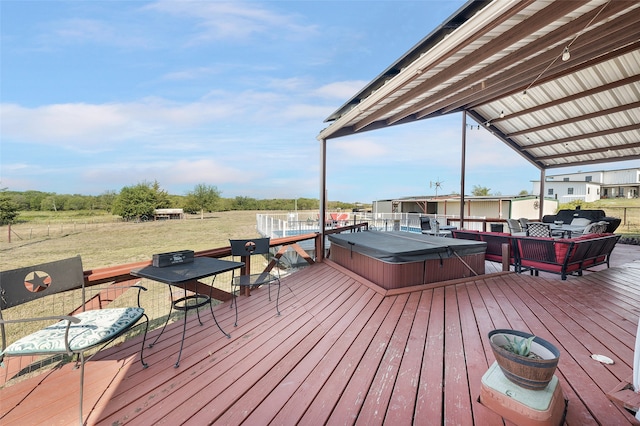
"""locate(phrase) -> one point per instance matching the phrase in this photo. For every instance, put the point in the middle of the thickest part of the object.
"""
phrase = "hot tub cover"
(403, 247)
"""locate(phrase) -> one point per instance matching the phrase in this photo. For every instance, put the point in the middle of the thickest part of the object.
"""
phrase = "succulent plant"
(519, 345)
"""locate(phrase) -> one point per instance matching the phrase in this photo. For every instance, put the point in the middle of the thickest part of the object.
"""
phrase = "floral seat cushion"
(95, 327)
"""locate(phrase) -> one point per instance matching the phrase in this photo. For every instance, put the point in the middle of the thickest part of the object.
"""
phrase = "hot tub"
(402, 259)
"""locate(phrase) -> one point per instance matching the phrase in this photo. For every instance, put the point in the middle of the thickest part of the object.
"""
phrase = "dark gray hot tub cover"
(404, 247)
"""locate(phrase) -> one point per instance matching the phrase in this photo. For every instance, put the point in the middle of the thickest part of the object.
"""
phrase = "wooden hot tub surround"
(402, 259)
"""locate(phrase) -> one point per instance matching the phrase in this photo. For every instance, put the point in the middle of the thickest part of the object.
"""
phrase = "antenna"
(438, 184)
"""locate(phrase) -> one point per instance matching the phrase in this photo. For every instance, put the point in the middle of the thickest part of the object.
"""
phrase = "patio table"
(186, 276)
(566, 230)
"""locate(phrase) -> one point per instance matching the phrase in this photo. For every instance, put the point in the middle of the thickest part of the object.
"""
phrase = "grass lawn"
(101, 241)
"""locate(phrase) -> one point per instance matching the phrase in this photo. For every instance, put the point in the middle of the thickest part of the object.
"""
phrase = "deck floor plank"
(377, 401)
(476, 364)
(352, 399)
(457, 399)
(307, 393)
(429, 400)
(327, 398)
(402, 403)
(344, 353)
(541, 323)
(278, 386)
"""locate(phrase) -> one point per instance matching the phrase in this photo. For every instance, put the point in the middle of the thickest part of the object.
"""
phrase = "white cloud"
(341, 90)
(191, 73)
(84, 125)
(232, 20)
(359, 149)
(77, 31)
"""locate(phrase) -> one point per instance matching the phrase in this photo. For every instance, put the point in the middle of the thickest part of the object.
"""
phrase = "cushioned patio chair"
(425, 225)
(246, 249)
(515, 228)
(73, 333)
(596, 228)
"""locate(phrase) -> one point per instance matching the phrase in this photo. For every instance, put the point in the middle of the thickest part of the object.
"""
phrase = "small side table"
(186, 276)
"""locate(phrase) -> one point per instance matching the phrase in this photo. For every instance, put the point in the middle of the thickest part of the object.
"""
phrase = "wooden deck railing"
(122, 273)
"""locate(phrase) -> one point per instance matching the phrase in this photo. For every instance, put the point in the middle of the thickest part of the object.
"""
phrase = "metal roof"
(502, 62)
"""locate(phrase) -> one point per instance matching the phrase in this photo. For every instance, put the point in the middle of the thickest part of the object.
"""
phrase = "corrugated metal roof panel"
(502, 64)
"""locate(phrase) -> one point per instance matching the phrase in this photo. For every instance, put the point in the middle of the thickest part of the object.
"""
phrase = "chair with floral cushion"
(71, 329)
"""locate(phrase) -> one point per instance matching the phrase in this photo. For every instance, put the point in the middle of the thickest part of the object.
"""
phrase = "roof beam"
(583, 94)
(630, 43)
(474, 83)
(598, 47)
(597, 134)
(591, 161)
(591, 151)
(576, 119)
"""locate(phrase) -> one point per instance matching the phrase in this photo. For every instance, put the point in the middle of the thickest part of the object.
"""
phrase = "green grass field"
(104, 241)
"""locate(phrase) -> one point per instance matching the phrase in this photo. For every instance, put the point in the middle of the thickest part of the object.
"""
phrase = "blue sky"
(98, 95)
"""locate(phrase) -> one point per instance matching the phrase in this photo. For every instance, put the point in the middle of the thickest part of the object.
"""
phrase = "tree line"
(140, 200)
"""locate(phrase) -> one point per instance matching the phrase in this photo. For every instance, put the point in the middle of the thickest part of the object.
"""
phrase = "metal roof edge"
(463, 14)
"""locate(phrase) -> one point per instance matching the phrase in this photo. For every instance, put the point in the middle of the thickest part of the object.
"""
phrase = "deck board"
(430, 398)
(344, 353)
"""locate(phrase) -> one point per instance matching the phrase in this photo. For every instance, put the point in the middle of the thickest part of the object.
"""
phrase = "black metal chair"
(73, 333)
(246, 249)
(537, 229)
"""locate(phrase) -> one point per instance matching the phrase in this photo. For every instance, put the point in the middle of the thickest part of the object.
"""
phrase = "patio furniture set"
(91, 326)
(564, 256)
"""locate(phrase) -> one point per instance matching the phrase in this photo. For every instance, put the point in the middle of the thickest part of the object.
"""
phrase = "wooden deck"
(346, 352)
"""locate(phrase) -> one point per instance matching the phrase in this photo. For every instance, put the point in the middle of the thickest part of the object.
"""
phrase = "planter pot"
(527, 372)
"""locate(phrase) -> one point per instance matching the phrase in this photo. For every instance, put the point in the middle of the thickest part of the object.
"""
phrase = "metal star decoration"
(38, 282)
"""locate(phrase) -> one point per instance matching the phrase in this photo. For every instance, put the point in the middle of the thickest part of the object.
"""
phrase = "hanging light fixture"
(566, 55)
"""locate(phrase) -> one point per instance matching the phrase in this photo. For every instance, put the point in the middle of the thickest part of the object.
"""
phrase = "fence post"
(9, 236)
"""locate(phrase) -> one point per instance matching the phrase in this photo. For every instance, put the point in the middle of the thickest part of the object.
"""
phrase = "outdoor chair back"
(537, 229)
(514, 227)
(246, 249)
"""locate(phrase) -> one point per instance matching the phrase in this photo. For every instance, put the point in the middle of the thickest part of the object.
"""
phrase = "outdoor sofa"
(562, 256)
(567, 216)
(494, 241)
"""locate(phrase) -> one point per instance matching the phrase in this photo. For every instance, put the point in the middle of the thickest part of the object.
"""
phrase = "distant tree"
(523, 192)
(51, 202)
(308, 203)
(162, 196)
(245, 203)
(105, 200)
(480, 191)
(8, 208)
(203, 197)
(77, 202)
(34, 200)
(137, 201)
